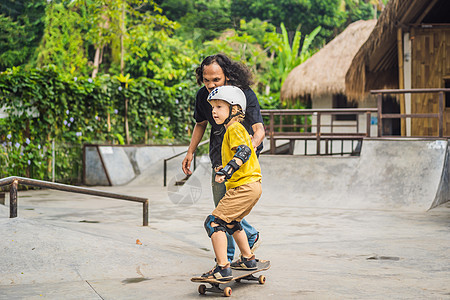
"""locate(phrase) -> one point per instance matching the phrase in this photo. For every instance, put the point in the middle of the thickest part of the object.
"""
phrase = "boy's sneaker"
(219, 273)
(256, 243)
(245, 263)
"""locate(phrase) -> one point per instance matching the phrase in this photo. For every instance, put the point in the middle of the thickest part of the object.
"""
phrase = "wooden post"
(271, 134)
(401, 79)
(441, 114)
(380, 115)
(368, 119)
(13, 199)
(318, 135)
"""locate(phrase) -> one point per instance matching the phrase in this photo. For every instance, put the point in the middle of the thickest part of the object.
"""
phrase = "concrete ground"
(72, 246)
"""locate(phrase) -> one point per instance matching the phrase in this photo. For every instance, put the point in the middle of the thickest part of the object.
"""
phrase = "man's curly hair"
(238, 74)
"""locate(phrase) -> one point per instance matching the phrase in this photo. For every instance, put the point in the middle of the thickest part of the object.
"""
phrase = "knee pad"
(236, 227)
(209, 229)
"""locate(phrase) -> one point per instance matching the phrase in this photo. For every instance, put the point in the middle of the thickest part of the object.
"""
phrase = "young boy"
(242, 174)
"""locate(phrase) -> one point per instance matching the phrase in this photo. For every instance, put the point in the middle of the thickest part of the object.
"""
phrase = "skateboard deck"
(238, 275)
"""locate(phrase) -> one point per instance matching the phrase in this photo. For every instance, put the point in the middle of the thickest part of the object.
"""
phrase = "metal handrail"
(14, 181)
(176, 155)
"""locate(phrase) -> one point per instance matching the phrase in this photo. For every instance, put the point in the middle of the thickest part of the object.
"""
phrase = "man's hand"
(197, 134)
(186, 164)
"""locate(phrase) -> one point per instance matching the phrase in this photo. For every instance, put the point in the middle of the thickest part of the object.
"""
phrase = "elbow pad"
(243, 152)
(229, 169)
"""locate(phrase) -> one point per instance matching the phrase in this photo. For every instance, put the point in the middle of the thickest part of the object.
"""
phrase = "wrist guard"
(229, 169)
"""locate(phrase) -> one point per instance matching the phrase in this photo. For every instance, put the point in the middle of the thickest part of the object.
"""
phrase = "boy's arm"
(243, 153)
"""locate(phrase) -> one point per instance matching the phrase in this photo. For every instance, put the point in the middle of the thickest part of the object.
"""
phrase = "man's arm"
(258, 134)
(197, 135)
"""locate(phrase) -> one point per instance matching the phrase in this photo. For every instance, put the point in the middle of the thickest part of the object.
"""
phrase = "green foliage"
(156, 55)
(287, 55)
(21, 28)
(200, 19)
(62, 44)
(358, 10)
(290, 12)
(11, 39)
(331, 15)
(46, 105)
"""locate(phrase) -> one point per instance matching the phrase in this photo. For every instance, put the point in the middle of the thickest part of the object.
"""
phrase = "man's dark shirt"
(203, 111)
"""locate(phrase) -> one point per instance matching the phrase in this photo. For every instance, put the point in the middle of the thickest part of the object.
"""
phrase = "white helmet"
(230, 94)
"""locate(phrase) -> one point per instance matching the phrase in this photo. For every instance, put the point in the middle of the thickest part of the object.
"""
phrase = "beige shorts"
(238, 202)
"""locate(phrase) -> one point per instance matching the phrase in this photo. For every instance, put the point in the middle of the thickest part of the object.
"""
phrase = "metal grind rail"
(176, 155)
(14, 181)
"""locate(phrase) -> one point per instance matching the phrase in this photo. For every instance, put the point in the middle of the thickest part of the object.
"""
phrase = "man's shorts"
(238, 202)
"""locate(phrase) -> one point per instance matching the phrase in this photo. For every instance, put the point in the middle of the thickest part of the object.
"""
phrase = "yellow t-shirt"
(250, 171)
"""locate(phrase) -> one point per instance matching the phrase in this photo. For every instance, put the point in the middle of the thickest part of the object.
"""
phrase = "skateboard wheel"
(202, 289)
(238, 280)
(262, 279)
(227, 291)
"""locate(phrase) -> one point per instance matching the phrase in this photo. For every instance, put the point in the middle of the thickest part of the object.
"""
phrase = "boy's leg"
(219, 242)
(216, 232)
(247, 261)
(241, 240)
(219, 191)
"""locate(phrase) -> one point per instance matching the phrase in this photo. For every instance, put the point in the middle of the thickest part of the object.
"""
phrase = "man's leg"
(252, 234)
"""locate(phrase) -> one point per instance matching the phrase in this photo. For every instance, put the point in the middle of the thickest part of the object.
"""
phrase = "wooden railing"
(305, 130)
(439, 115)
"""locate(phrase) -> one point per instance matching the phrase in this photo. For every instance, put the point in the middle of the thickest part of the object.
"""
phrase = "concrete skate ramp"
(154, 174)
(122, 164)
(389, 174)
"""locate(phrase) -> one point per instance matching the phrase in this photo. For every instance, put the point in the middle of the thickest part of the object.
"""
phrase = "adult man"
(218, 70)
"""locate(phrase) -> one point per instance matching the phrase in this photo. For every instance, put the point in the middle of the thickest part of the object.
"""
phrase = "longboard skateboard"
(238, 275)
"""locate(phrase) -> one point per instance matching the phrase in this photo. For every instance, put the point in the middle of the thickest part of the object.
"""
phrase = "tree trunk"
(122, 48)
(99, 49)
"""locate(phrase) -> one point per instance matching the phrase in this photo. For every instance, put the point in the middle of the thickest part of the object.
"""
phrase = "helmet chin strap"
(230, 116)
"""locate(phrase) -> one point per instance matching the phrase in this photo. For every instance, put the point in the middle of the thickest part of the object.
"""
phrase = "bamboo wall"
(430, 65)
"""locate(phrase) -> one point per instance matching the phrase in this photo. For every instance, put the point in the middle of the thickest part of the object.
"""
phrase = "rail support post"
(165, 173)
(145, 213)
(13, 199)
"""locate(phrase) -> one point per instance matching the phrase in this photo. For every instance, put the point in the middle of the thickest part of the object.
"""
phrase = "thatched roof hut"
(324, 72)
(375, 66)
